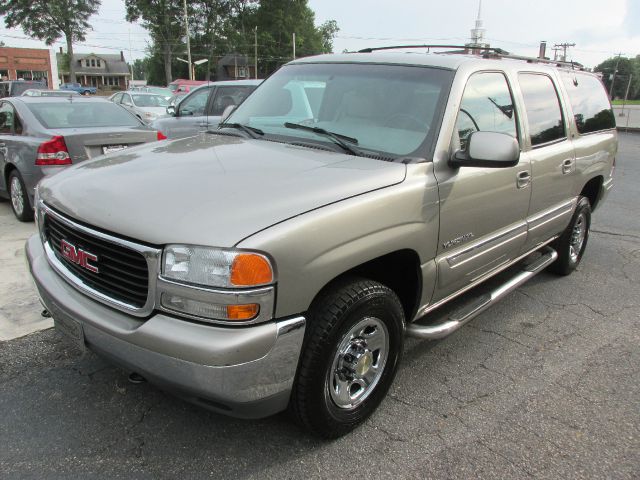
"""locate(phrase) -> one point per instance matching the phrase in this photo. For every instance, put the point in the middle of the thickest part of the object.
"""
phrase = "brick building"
(105, 71)
(28, 64)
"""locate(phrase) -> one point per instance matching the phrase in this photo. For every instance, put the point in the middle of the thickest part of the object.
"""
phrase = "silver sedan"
(42, 135)
(146, 106)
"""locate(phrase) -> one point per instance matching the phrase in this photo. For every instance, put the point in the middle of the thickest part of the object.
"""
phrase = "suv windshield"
(390, 109)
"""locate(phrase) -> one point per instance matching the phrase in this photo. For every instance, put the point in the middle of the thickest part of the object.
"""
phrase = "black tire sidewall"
(565, 265)
(320, 413)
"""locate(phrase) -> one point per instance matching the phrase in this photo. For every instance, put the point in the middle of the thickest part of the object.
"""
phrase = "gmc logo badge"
(78, 256)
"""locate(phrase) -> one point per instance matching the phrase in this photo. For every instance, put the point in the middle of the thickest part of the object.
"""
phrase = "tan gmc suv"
(279, 260)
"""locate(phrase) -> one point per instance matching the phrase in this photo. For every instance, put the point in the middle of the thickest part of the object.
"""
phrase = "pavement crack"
(615, 234)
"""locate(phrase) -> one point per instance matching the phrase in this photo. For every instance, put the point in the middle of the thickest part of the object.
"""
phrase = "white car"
(146, 106)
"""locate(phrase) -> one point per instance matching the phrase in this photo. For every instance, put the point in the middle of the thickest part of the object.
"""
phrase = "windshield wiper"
(337, 138)
(253, 132)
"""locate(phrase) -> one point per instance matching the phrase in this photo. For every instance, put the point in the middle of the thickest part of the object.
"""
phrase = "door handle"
(567, 166)
(524, 179)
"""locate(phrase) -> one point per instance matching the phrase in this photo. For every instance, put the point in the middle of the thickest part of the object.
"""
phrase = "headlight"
(215, 267)
(213, 284)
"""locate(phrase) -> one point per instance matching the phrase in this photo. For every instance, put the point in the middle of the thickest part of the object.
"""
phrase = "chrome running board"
(479, 305)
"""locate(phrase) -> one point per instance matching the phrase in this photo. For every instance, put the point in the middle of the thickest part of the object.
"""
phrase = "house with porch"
(104, 71)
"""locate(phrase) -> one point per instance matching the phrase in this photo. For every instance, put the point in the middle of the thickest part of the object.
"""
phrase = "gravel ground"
(545, 385)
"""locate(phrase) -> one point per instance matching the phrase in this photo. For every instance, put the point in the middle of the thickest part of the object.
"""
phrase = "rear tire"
(573, 241)
(19, 198)
(352, 348)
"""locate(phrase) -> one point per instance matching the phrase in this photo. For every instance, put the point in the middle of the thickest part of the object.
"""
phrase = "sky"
(599, 28)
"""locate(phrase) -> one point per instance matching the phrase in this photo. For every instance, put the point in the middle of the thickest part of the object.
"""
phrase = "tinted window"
(543, 108)
(6, 119)
(486, 105)
(226, 96)
(590, 103)
(82, 114)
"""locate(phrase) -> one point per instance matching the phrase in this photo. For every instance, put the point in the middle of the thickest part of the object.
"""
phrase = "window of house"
(487, 105)
(542, 105)
(112, 81)
(93, 62)
(98, 62)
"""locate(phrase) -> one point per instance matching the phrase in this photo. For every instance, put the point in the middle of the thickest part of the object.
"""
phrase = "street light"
(192, 65)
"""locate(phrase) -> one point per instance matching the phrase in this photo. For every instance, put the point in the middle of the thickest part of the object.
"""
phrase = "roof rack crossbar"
(486, 52)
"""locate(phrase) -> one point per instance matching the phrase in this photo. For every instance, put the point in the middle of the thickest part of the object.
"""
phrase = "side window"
(589, 102)
(487, 105)
(195, 103)
(7, 116)
(542, 105)
(126, 100)
(226, 96)
(117, 98)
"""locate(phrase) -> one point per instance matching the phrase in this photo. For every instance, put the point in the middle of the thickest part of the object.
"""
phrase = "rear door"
(482, 210)
(551, 154)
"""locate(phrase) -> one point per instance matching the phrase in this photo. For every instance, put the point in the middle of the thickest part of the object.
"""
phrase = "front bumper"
(245, 372)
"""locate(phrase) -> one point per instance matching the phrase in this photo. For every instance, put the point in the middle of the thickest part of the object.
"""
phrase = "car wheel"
(573, 241)
(19, 198)
(352, 348)
(85, 93)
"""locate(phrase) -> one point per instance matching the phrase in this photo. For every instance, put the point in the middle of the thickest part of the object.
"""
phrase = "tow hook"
(136, 378)
(45, 313)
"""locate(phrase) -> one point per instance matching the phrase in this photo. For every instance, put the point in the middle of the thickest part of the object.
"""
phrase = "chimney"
(121, 55)
(61, 50)
(543, 49)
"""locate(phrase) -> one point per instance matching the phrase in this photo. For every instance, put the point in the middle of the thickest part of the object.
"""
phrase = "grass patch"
(628, 102)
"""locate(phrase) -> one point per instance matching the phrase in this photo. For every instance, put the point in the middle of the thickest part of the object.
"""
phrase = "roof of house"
(114, 65)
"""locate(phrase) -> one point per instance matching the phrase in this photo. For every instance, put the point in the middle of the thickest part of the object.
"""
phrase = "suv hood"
(209, 189)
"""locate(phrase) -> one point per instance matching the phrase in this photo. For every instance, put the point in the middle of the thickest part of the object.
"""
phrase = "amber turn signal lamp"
(250, 269)
(242, 312)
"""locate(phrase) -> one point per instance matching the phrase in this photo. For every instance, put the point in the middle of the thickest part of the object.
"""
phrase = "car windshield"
(391, 110)
(82, 114)
(149, 101)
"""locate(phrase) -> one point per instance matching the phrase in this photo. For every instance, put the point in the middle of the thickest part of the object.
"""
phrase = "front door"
(482, 210)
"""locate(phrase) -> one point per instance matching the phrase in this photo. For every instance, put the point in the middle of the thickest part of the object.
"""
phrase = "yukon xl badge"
(78, 256)
(458, 240)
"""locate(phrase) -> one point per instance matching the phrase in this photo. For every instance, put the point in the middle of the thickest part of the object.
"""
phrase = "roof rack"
(485, 52)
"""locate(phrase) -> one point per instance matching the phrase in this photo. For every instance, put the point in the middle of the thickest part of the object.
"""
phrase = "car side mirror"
(489, 150)
(171, 110)
(227, 112)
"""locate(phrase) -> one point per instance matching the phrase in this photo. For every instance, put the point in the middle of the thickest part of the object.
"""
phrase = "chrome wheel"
(578, 235)
(17, 195)
(358, 363)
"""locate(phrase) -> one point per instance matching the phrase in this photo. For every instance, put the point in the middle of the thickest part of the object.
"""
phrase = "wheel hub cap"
(577, 237)
(16, 195)
(358, 363)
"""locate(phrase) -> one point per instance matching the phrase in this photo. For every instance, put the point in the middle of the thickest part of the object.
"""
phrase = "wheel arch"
(592, 190)
(399, 270)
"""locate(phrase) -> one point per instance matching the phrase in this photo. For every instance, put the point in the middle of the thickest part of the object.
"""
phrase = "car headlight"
(214, 267)
(216, 284)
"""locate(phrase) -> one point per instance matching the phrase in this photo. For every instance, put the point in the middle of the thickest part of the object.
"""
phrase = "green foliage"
(626, 67)
(49, 20)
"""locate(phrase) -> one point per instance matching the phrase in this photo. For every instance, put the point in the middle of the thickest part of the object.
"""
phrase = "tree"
(277, 20)
(48, 20)
(163, 19)
(625, 68)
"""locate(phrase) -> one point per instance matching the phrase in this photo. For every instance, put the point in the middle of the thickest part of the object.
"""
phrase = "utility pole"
(564, 47)
(255, 52)
(131, 56)
(294, 45)
(613, 78)
(555, 53)
(186, 26)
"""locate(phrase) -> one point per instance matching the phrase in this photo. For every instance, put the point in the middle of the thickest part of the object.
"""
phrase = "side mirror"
(227, 112)
(489, 150)
(171, 110)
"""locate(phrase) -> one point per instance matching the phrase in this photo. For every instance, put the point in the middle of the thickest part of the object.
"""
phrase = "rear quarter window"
(82, 115)
(589, 102)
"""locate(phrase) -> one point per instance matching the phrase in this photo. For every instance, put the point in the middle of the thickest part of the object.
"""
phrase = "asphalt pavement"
(546, 384)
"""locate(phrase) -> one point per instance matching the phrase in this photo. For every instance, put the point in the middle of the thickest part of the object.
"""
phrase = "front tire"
(350, 356)
(573, 241)
(19, 198)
